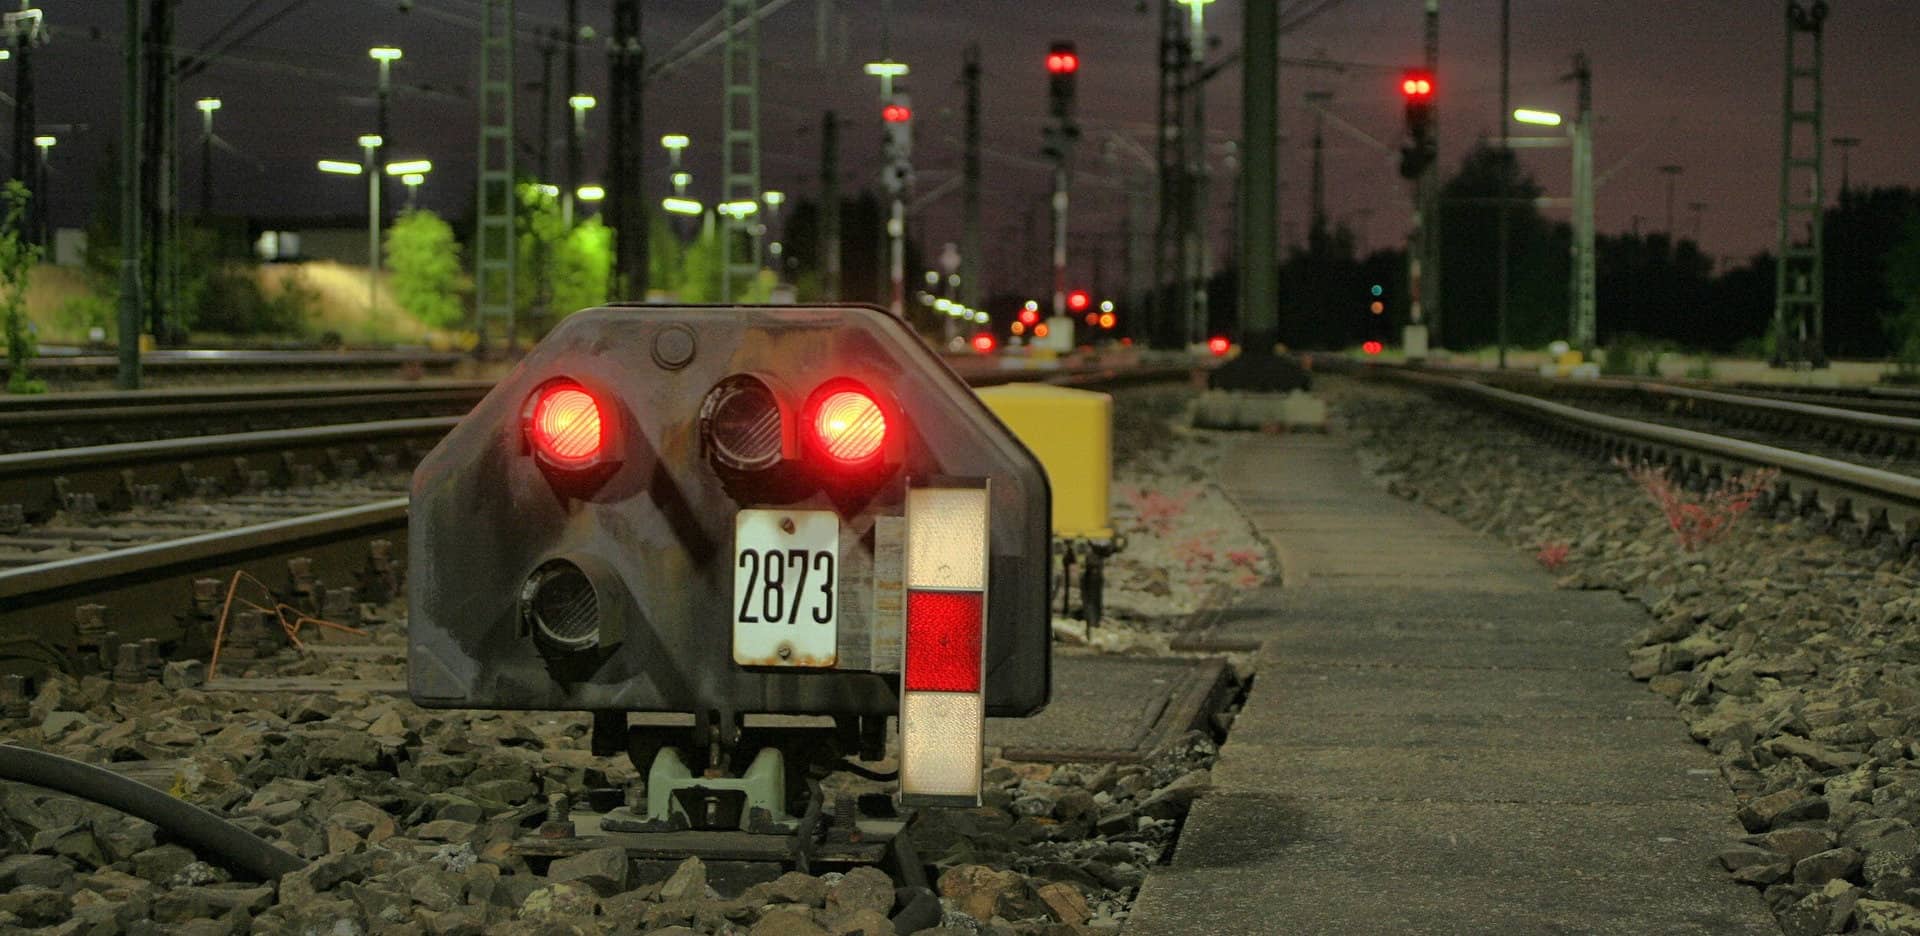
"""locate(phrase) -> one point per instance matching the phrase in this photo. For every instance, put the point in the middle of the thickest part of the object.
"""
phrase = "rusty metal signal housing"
(508, 556)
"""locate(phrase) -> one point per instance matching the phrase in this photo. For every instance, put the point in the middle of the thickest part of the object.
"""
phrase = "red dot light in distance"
(849, 425)
(983, 342)
(1218, 346)
(566, 424)
(1373, 347)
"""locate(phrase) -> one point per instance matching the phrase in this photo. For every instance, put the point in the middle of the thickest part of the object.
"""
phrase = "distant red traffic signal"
(1372, 347)
(896, 113)
(1416, 85)
(1219, 346)
(983, 343)
(1078, 300)
(1062, 62)
(1029, 316)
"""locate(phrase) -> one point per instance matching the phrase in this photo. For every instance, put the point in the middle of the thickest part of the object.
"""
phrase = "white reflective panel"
(941, 734)
(947, 538)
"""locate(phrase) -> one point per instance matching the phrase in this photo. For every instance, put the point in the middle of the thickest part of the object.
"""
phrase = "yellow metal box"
(1071, 432)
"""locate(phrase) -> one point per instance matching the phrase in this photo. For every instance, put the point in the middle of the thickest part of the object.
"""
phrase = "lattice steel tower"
(493, 244)
(740, 146)
(1799, 306)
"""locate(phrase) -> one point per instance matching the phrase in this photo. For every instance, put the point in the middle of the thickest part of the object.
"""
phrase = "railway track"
(105, 546)
(1868, 504)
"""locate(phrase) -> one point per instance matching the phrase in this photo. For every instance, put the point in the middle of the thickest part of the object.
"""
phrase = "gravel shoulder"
(1789, 653)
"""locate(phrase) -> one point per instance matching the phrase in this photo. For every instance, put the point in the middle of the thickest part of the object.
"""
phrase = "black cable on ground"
(919, 909)
(206, 833)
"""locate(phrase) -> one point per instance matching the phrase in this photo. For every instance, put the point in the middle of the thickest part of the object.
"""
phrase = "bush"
(80, 314)
(236, 305)
(1632, 356)
(425, 260)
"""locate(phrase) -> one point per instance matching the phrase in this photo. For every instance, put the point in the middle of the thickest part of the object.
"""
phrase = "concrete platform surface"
(1437, 742)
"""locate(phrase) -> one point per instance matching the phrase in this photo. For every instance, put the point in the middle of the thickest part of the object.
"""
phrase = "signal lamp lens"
(1029, 316)
(1218, 346)
(566, 425)
(849, 425)
(1077, 300)
(894, 113)
(742, 422)
(1017, 328)
(558, 602)
(1040, 330)
(1373, 347)
(1107, 320)
(983, 343)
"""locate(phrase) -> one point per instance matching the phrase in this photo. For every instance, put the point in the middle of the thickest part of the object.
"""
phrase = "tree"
(1859, 233)
(1902, 281)
(425, 260)
(582, 263)
(1537, 256)
(17, 257)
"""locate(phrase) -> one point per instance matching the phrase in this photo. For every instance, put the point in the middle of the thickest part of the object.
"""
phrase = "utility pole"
(1696, 209)
(1583, 329)
(829, 235)
(385, 56)
(626, 167)
(158, 189)
(206, 107)
(1799, 293)
(1500, 210)
(1168, 305)
(971, 289)
(26, 34)
(128, 377)
(1845, 145)
(1317, 216)
(1425, 297)
(1259, 177)
(1672, 173)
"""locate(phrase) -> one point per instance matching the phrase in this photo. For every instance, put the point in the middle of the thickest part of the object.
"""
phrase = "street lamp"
(886, 71)
(1579, 138)
(369, 143)
(590, 193)
(744, 208)
(680, 182)
(206, 105)
(674, 143)
(38, 232)
(412, 172)
(581, 103)
(1195, 142)
(898, 116)
(682, 206)
(384, 56)
(774, 200)
(1538, 118)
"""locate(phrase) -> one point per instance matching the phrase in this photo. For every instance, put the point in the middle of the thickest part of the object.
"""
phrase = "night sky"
(1690, 82)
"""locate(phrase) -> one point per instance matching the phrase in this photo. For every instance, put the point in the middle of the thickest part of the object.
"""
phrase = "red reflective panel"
(566, 424)
(943, 641)
(849, 425)
(1218, 345)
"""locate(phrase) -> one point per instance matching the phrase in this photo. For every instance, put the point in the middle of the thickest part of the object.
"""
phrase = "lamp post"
(412, 172)
(1670, 172)
(369, 144)
(206, 106)
(591, 194)
(774, 199)
(581, 103)
(1579, 136)
(1195, 142)
(45, 143)
(384, 56)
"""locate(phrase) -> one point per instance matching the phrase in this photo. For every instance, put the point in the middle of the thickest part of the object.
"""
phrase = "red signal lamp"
(1062, 63)
(1078, 300)
(1093, 318)
(1372, 348)
(566, 425)
(1417, 85)
(984, 343)
(848, 425)
(896, 113)
(1029, 316)
(1219, 345)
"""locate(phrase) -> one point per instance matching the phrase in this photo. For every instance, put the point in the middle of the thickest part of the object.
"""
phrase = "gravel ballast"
(407, 816)
(1789, 653)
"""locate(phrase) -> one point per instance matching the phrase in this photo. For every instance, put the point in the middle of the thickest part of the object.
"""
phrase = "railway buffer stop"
(744, 538)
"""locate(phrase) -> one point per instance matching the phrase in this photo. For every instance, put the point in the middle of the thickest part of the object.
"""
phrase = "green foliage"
(17, 257)
(1902, 277)
(582, 262)
(237, 305)
(1631, 355)
(425, 260)
(92, 310)
(1701, 368)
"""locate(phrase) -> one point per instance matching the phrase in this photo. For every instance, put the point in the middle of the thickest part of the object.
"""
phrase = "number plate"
(786, 587)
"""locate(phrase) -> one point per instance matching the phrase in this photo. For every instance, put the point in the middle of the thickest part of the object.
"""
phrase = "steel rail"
(171, 590)
(1877, 504)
